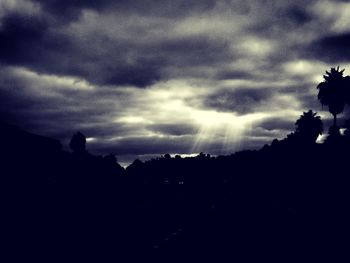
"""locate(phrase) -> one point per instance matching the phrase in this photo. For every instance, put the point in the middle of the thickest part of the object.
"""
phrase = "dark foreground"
(288, 202)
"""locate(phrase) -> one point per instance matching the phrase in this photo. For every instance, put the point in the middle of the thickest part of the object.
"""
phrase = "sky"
(143, 78)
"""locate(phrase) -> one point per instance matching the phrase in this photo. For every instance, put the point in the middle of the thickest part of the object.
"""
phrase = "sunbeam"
(221, 132)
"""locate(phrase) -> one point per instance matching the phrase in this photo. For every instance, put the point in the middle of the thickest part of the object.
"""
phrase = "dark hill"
(288, 201)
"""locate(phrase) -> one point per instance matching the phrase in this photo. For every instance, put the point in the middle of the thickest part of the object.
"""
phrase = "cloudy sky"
(143, 78)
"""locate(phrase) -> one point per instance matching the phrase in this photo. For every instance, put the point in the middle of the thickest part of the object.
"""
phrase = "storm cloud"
(242, 101)
(141, 78)
(332, 48)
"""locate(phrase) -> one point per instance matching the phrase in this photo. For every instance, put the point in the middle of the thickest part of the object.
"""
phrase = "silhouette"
(78, 143)
(309, 126)
(333, 92)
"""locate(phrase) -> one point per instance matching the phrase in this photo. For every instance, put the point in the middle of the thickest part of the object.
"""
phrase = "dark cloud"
(194, 51)
(305, 93)
(173, 129)
(242, 101)
(277, 123)
(64, 11)
(278, 18)
(263, 134)
(58, 6)
(40, 44)
(139, 75)
(181, 55)
(71, 8)
(52, 111)
(27, 41)
(298, 15)
(332, 48)
(309, 101)
(226, 74)
(21, 38)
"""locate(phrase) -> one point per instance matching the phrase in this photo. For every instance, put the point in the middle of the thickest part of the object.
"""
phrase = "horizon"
(143, 79)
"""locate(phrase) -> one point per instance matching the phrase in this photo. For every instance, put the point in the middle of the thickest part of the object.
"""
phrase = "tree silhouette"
(78, 143)
(333, 92)
(309, 126)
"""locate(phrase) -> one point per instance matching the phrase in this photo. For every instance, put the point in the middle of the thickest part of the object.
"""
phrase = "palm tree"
(333, 93)
(309, 126)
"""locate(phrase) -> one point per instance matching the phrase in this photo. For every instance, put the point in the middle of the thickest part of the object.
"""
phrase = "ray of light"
(221, 131)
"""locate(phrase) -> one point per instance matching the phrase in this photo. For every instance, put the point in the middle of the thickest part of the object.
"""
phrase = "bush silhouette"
(78, 143)
(309, 126)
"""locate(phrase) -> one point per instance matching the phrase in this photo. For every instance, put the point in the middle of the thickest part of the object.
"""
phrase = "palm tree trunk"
(334, 120)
